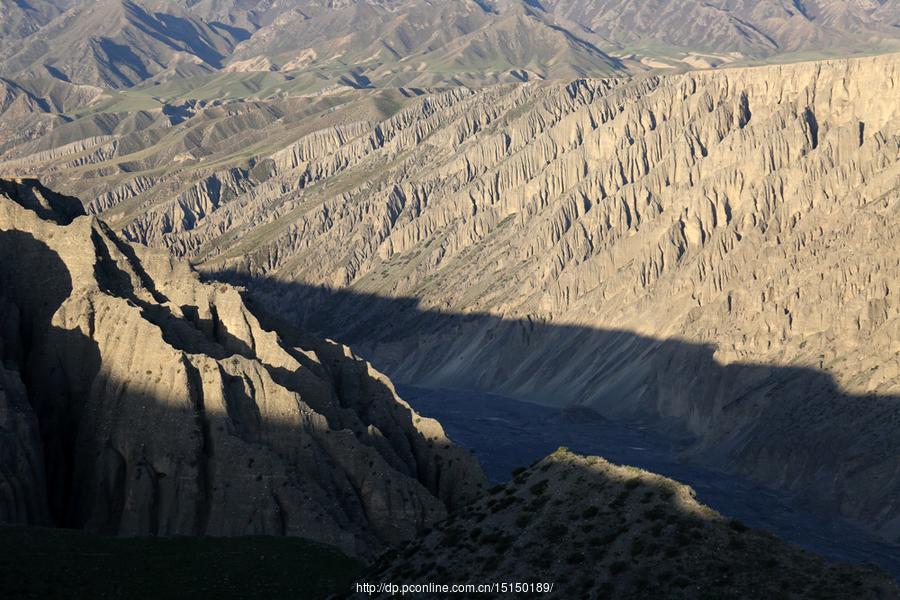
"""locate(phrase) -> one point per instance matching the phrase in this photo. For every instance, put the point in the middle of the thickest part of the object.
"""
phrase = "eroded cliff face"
(715, 252)
(136, 400)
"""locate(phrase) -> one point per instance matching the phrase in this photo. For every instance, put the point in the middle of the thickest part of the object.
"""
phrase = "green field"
(53, 563)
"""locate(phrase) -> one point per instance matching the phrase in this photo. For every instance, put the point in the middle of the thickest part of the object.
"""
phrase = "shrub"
(538, 502)
(453, 536)
(539, 488)
(490, 564)
(504, 503)
(612, 536)
(736, 544)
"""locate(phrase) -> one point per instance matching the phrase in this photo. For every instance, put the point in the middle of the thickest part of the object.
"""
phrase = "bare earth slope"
(715, 251)
(118, 43)
(753, 28)
(121, 43)
(598, 530)
(363, 43)
(137, 400)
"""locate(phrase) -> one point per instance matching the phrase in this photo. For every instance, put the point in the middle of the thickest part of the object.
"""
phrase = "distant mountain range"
(365, 43)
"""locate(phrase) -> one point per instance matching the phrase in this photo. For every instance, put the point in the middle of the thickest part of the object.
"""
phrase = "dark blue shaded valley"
(505, 434)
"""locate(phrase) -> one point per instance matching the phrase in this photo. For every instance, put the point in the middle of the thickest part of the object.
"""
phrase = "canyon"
(714, 252)
(663, 232)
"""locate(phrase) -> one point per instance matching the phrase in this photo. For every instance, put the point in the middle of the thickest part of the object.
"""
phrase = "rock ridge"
(138, 400)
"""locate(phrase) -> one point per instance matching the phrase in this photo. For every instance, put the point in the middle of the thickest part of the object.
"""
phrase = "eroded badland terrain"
(508, 198)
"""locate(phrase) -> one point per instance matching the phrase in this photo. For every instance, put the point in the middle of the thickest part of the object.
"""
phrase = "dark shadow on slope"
(356, 80)
(120, 59)
(177, 114)
(119, 459)
(507, 434)
(48, 205)
(91, 567)
(56, 73)
(239, 34)
(788, 427)
(69, 360)
(178, 33)
(124, 462)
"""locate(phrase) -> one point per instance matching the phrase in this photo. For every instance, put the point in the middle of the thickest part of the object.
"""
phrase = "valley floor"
(506, 434)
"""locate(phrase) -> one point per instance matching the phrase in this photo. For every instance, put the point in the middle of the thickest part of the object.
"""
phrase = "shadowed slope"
(751, 28)
(790, 427)
(165, 408)
(381, 43)
(119, 43)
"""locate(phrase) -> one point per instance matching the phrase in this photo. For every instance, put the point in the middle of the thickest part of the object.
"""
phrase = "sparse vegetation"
(655, 549)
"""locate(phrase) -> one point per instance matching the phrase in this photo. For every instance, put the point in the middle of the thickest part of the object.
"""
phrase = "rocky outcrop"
(137, 400)
(594, 529)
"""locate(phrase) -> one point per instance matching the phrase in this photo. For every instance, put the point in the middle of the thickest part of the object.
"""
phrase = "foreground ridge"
(599, 530)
